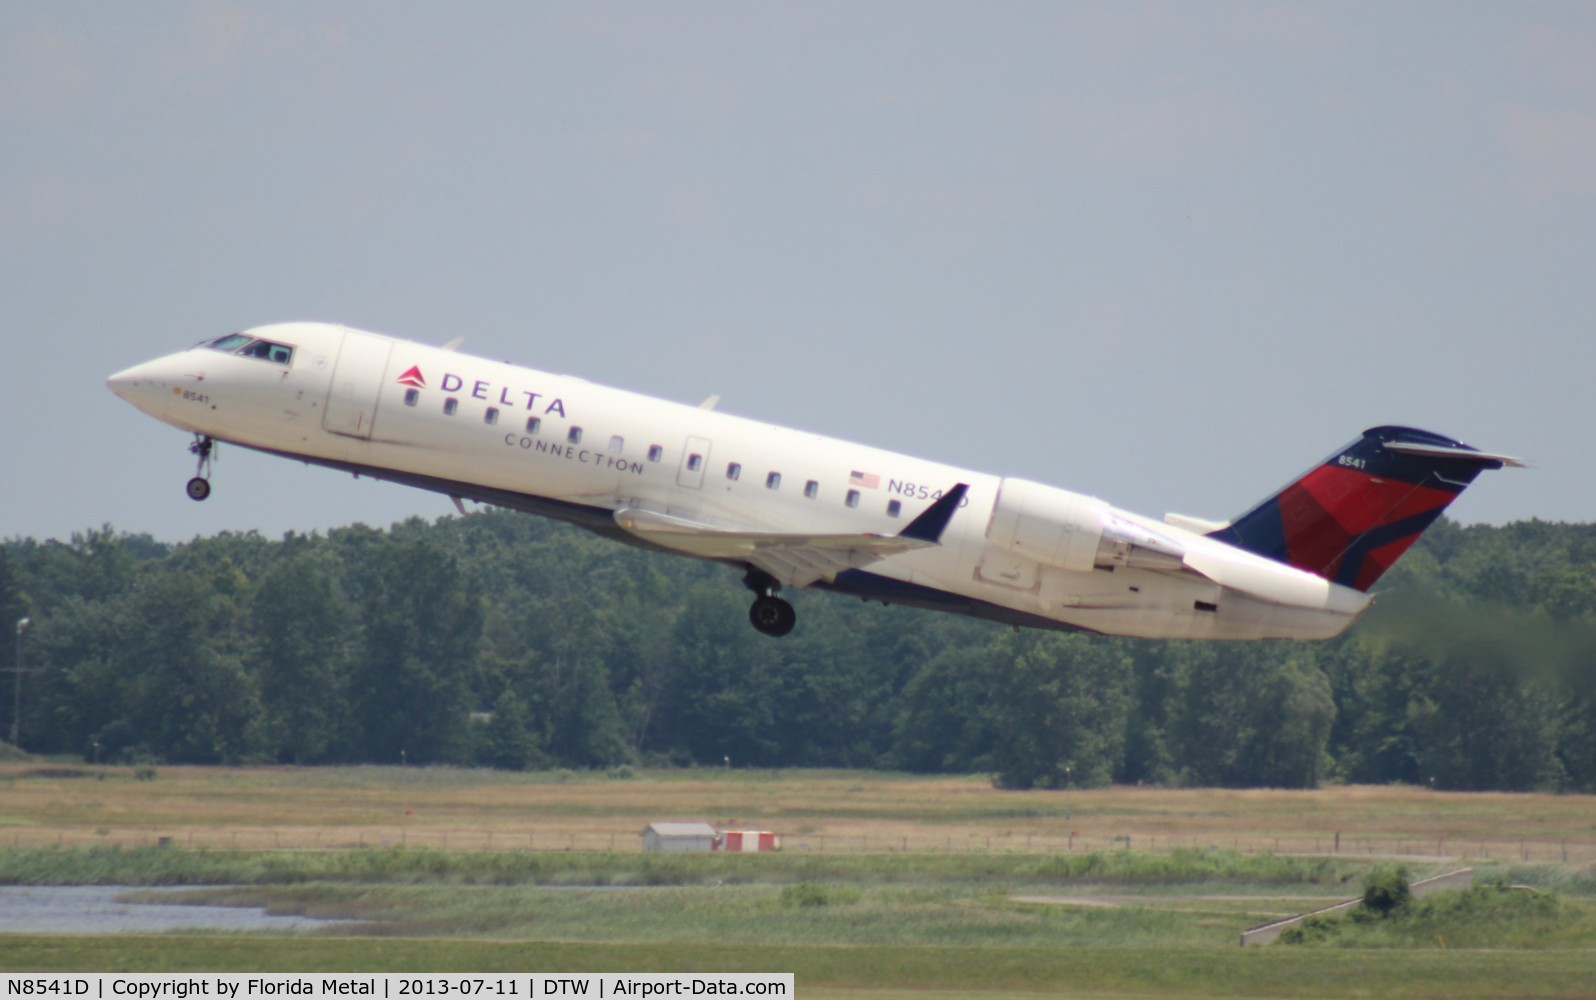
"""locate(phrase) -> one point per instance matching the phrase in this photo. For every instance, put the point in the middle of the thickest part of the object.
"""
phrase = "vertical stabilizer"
(1352, 516)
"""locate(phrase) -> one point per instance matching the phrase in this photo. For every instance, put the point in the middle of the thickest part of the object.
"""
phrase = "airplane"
(795, 510)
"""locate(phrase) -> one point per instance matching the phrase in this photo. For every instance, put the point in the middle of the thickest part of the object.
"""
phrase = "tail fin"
(1351, 517)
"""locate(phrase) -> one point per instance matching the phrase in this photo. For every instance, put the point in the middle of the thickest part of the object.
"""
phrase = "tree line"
(507, 641)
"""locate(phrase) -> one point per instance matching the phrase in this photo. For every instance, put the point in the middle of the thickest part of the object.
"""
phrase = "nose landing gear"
(200, 486)
(770, 614)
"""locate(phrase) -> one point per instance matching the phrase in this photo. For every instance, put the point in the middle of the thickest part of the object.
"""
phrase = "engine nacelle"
(1073, 532)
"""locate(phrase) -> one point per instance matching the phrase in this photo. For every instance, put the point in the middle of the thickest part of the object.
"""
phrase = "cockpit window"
(229, 343)
(280, 353)
(251, 347)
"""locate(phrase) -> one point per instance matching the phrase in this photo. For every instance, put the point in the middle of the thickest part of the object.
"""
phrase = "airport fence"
(263, 838)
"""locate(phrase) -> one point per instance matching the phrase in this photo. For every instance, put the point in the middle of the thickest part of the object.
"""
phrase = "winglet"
(928, 527)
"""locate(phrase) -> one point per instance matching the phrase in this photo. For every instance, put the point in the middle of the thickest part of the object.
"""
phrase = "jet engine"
(1073, 532)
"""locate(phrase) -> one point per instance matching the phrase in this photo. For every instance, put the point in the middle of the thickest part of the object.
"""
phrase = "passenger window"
(655, 453)
(617, 445)
(411, 396)
(491, 416)
(693, 462)
(894, 508)
(811, 489)
(773, 481)
(852, 499)
(532, 424)
(450, 405)
(575, 435)
(734, 471)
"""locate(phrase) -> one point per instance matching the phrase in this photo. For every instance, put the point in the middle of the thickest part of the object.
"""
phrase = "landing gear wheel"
(200, 486)
(772, 615)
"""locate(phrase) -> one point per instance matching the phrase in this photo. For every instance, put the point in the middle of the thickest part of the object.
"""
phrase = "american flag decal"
(869, 480)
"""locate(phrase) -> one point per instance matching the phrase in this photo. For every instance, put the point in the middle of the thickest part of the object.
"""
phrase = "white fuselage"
(465, 426)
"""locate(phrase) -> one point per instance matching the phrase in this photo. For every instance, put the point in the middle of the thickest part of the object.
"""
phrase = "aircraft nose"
(151, 386)
(140, 381)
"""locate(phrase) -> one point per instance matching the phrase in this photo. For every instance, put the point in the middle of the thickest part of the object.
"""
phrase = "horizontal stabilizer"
(1197, 525)
(1463, 453)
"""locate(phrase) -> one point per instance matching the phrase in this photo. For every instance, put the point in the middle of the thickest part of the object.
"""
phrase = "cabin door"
(356, 383)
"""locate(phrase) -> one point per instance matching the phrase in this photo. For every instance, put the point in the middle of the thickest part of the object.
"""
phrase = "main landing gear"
(770, 614)
(200, 486)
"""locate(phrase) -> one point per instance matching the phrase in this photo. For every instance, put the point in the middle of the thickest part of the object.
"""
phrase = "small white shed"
(679, 837)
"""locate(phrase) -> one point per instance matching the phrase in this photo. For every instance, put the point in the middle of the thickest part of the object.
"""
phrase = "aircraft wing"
(796, 559)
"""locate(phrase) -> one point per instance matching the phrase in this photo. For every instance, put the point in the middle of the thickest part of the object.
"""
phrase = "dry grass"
(311, 808)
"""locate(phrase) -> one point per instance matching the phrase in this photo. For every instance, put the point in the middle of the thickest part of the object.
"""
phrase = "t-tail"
(1351, 517)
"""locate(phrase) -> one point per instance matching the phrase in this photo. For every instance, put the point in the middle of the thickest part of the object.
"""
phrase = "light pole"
(16, 698)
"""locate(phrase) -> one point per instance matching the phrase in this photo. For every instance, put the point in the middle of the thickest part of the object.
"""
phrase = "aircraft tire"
(198, 489)
(772, 615)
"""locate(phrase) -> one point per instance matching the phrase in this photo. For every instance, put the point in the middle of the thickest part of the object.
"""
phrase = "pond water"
(95, 909)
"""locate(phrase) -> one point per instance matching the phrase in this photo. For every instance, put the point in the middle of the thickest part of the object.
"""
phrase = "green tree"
(1483, 725)
(1372, 739)
(94, 565)
(1157, 684)
(414, 678)
(302, 626)
(190, 699)
(943, 722)
(81, 685)
(1386, 890)
(509, 742)
(1292, 712)
(1250, 715)
(13, 608)
(1058, 711)
(724, 703)
(1482, 691)
(1475, 667)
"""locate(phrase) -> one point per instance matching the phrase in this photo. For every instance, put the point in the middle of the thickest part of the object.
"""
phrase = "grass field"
(887, 883)
(817, 812)
(861, 973)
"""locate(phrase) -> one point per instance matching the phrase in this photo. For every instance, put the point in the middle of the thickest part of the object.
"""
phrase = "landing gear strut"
(770, 614)
(200, 486)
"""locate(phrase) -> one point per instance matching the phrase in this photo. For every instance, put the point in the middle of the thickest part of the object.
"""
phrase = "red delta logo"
(413, 377)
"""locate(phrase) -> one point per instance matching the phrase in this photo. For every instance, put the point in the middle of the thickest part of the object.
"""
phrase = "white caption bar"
(392, 986)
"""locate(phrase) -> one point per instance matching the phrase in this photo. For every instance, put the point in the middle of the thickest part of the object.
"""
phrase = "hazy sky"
(1168, 254)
